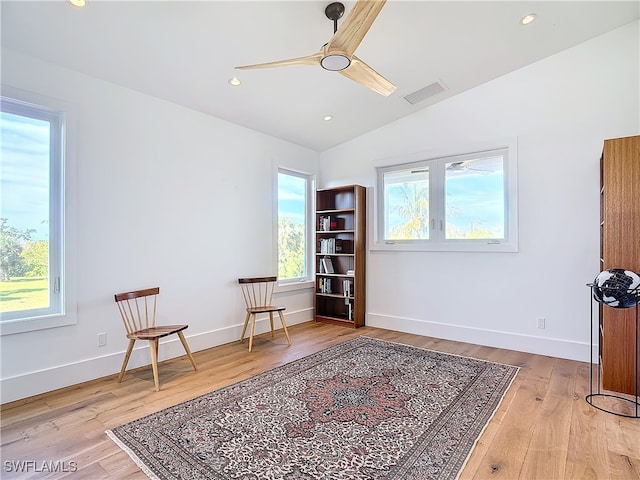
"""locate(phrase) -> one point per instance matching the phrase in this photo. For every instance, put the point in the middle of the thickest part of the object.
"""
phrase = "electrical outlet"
(541, 322)
(102, 339)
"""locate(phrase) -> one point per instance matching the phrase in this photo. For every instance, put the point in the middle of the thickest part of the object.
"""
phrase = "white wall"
(560, 109)
(166, 196)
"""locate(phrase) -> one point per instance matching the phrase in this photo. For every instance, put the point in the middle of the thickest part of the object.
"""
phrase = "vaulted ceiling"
(185, 52)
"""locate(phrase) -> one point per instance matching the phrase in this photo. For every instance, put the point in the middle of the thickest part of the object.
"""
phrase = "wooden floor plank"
(542, 430)
(589, 458)
(547, 454)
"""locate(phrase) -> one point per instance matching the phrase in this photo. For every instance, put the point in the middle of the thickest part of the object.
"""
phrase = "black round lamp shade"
(617, 288)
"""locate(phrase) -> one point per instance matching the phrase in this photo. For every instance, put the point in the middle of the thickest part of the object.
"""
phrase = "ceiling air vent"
(424, 93)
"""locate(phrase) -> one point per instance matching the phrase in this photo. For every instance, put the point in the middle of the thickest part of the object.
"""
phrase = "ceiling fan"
(464, 167)
(338, 54)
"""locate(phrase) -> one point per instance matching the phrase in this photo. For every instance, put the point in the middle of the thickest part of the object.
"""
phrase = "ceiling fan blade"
(355, 26)
(360, 72)
(308, 60)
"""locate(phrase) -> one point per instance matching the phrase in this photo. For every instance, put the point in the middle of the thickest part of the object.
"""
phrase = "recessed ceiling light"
(527, 19)
(327, 118)
(78, 3)
(234, 82)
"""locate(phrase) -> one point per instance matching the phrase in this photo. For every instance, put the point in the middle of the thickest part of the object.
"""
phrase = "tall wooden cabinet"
(619, 248)
(340, 255)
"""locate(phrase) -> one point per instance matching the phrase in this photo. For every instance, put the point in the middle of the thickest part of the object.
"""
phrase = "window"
(294, 229)
(32, 283)
(464, 202)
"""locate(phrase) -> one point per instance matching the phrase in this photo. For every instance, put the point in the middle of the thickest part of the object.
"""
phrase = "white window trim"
(68, 314)
(511, 213)
(287, 285)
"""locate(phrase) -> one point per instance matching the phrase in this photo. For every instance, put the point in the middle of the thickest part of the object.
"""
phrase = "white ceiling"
(185, 52)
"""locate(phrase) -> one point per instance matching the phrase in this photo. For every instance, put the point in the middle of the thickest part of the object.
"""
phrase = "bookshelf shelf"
(342, 210)
(334, 295)
(340, 256)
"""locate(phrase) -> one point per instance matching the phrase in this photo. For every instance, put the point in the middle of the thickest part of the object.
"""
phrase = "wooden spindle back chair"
(138, 310)
(258, 296)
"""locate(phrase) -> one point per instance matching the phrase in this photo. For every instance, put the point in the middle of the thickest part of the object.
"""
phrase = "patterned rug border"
(357, 340)
(435, 351)
(137, 460)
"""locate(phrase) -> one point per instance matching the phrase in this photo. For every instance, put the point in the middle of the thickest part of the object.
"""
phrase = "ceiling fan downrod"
(334, 11)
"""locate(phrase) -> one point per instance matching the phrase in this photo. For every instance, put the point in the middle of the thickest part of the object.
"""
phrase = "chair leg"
(126, 359)
(153, 345)
(186, 348)
(271, 321)
(253, 325)
(244, 329)
(284, 326)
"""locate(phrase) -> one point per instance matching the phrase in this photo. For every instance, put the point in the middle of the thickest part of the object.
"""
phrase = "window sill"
(444, 247)
(292, 286)
(10, 327)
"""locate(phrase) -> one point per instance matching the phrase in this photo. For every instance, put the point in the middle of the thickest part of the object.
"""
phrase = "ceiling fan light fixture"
(235, 82)
(78, 3)
(327, 118)
(527, 19)
(335, 62)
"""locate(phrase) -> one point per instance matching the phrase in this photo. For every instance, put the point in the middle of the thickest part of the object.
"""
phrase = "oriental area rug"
(363, 409)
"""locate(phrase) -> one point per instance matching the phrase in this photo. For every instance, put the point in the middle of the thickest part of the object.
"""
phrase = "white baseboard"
(46, 380)
(551, 347)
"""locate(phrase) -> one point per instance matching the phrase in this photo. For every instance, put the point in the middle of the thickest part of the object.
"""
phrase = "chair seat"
(265, 309)
(156, 332)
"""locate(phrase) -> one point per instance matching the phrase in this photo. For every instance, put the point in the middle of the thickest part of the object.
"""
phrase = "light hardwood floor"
(543, 429)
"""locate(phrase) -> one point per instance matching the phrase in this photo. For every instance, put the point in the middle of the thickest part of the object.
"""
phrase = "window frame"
(436, 161)
(62, 287)
(308, 279)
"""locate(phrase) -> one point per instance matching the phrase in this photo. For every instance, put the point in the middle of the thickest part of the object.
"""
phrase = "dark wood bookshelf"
(341, 238)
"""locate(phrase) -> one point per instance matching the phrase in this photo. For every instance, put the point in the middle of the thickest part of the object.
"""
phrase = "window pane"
(474, 199)
(406, 204)
(292, 220)
(24, 163)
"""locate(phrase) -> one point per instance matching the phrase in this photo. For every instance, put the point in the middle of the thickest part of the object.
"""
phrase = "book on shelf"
(348, 308)
(343, 246)
(324, 285)
(327, 265)
(347, 287)
(327, 245)
(326, 223)
(333, 245)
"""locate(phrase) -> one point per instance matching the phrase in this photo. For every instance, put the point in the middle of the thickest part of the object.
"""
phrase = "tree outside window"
(293, 206)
